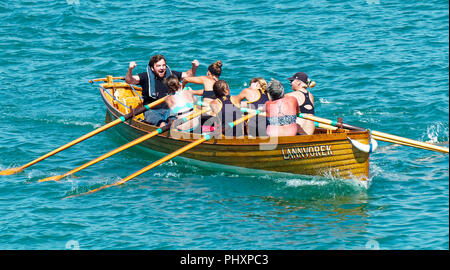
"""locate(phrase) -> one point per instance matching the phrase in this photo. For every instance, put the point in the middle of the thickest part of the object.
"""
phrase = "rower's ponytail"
(216, 68)
(172, 83)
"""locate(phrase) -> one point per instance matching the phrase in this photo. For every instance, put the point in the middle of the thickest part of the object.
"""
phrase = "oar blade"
(11, 171)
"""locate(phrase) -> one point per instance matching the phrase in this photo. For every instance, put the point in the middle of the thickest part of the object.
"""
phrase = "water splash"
(77, 189)
(436, 133)
(359, 113)
(324, 101)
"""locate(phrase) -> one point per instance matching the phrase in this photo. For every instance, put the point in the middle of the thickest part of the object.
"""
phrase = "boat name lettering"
(306, 152)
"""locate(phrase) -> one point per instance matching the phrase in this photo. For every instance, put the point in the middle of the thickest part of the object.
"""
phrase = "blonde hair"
(262, 83)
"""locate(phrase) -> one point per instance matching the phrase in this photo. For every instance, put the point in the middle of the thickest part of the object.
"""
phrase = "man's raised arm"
(129, 78)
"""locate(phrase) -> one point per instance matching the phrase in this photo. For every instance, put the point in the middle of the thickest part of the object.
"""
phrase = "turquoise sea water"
(380, 64)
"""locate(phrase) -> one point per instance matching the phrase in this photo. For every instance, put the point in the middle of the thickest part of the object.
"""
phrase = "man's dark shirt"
(160, 87)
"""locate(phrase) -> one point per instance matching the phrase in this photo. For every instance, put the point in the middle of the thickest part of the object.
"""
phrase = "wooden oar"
(380, 135)
(172, 155)
(325, 126)
(84, 137)
(123, 147)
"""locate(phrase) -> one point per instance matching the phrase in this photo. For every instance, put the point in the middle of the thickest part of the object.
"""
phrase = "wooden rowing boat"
(327, 153)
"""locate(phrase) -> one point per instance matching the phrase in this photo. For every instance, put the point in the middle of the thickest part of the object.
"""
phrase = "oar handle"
(330, 122)
(142, 109)
(230, 125)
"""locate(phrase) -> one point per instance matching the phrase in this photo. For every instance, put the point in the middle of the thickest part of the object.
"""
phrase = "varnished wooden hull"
(327, 154)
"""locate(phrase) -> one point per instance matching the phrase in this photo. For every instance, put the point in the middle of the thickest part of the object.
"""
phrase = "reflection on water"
(333, 208)
(334, 218)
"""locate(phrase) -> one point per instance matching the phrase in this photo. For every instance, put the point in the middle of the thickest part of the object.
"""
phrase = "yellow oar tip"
(52, 178)
(10, 171)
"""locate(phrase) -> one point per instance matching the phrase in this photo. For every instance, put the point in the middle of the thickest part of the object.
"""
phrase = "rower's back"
(257, 125)
(225, 110)
(181, 104)
(281, 112)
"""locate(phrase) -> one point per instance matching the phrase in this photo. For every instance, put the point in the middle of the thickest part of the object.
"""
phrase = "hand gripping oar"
(380, 135)
(84, 137)
(172, 155)
(123, 147)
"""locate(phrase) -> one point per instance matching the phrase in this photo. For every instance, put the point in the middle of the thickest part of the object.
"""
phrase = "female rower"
(255, 94)
(181, 104)
(212, 76)
(225, 110)
(256, 98)
(300, 83)
(281, 111)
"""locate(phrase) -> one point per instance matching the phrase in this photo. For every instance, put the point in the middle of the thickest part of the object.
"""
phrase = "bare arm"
(130, 78)
(242, 95)
(196, 80)
(191, 72)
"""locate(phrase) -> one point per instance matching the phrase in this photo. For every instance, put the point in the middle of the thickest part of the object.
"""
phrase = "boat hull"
(325, 153)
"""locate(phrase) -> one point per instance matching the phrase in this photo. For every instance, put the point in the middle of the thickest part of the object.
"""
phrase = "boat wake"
(326, 182)
(78, 123)
(51, 120)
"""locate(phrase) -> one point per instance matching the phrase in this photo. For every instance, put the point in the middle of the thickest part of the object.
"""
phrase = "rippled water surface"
(381, 65)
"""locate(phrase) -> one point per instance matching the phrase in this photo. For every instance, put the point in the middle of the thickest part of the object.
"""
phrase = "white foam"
(78, 123)
(358, 113)
(434, 131)
(299, 183)
(324, 101)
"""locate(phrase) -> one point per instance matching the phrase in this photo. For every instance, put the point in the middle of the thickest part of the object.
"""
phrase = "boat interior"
(125, 97)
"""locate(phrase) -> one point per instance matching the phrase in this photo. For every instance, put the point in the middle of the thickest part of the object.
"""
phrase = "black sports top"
(261, 101)
(209, 94)
(229, 113)
(256, 126)
(307, 102)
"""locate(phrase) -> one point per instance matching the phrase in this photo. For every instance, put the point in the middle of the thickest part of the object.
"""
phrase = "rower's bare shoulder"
(291, 98)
